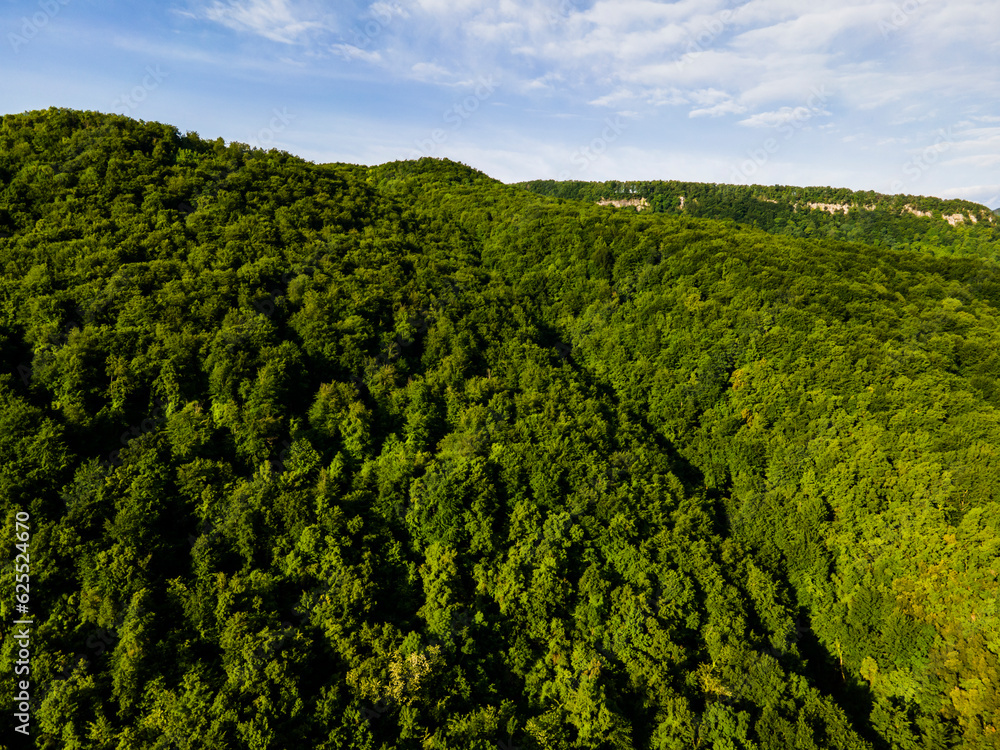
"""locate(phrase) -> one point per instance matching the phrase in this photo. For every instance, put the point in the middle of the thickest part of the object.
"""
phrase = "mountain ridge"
(902, 221)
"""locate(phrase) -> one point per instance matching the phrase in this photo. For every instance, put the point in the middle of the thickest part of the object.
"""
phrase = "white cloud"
(385, 12)
(450, 7)
(781, 117)
(726, 108)
(425, 71)
(978, 147)
(547, 82)
(983, 161)
(957, 192)
(905, 119)
(709, 96)
(811, 30)
(276, 20)
(350, 52)
(987, 195)
(615, 97)
(666, 97)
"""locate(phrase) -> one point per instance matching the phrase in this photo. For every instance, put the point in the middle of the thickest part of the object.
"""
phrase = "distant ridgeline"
(401, 457)
(902, 222)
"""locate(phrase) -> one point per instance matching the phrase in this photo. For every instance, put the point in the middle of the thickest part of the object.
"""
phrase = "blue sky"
(889, 96)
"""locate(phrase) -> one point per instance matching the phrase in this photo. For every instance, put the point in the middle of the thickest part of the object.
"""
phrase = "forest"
(337, 456)
(899, 222)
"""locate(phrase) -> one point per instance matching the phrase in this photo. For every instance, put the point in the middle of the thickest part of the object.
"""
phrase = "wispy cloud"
(427, 71)
(717, 110)
(350, 52)
(781, 117)
(277, 20)
(714, 103)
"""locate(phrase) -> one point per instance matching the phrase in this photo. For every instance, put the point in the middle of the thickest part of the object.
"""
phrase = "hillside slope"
(401, 457)
(899, 222)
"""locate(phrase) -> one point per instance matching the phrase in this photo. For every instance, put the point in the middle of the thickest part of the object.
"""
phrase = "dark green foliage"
(331, 456)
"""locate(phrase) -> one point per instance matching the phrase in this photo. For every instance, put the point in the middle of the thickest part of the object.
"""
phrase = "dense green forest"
(898, 222)
(330, 456)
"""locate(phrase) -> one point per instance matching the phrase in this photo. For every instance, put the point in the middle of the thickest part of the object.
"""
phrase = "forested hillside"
(329, 456)
(898, 222)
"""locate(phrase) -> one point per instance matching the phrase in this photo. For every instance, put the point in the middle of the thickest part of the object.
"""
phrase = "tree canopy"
(335, 456)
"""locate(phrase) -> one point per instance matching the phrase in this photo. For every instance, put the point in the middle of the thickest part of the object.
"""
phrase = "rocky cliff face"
(639, 203)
